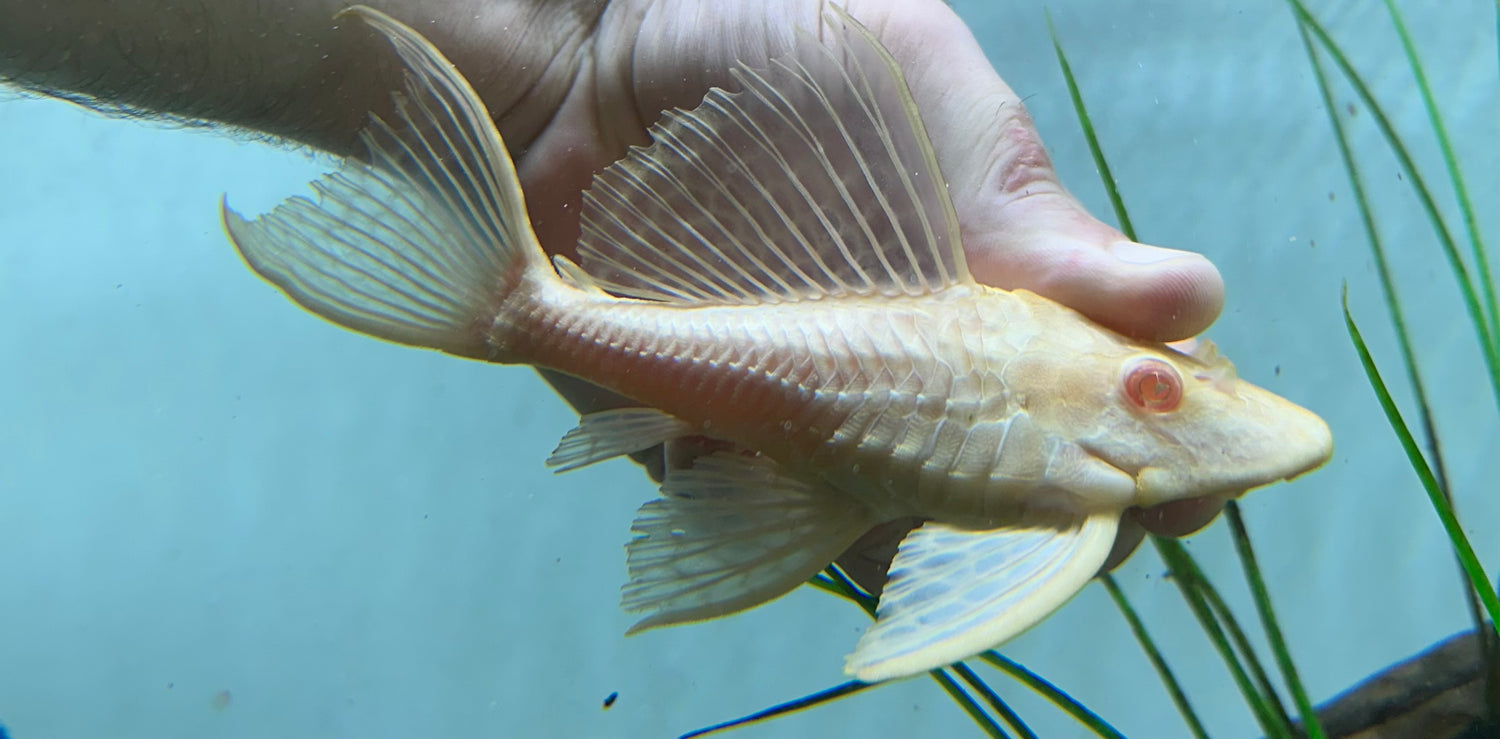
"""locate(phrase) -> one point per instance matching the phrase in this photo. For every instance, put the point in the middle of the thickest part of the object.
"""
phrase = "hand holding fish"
(782, 272)
(572, 84)
(1021, 228)
(871, 303)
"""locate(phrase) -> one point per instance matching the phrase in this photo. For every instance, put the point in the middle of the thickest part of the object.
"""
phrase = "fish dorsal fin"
(816, 180)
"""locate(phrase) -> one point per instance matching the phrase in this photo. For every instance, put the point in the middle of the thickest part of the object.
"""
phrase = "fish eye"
(1153, 385)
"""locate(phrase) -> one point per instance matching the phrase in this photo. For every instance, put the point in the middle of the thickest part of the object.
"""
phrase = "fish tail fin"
(423, 242)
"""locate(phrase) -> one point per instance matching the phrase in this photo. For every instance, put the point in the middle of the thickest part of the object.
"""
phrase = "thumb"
(1021, 228)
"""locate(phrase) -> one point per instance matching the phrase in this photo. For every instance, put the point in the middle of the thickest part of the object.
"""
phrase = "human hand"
(573, 83)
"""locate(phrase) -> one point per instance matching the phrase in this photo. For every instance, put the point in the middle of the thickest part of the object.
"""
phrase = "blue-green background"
(220, 517)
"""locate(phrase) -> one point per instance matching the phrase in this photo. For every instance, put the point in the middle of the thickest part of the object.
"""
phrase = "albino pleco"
(781, 270)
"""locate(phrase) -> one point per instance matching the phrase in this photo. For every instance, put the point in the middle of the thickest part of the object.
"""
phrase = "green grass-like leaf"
(1241, 644)
(1310, 724)
(833, 580)
(1487, 341)
(1475, 571)
(1450, 161)
(1189, 581)
(1087, 124)
(967, 703)
(1387, 284)
(1174, 689)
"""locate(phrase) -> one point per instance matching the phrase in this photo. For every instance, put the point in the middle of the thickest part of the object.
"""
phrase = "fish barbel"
(781, 270)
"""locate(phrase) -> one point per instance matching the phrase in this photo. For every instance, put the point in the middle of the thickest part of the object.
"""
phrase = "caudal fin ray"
(419, 243)
(335, 257)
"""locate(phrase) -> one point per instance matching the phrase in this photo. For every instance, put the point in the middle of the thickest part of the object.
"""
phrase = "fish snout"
(1315, 440)
(1286, 442)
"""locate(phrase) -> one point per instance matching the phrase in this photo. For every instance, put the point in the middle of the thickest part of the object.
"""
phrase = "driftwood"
(1438, 694)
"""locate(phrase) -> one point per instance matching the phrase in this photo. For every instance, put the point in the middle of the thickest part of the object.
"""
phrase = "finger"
(1021, 228)
(1046, 243)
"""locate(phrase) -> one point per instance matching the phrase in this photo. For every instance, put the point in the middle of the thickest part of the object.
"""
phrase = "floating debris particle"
(609, 700)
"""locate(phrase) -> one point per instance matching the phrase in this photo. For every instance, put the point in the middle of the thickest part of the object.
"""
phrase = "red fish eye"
(1153, 385)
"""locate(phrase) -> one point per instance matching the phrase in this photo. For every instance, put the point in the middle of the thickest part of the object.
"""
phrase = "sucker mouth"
(1165, 487)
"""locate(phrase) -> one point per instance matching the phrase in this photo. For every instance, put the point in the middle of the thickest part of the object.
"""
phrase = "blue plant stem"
(833, 580)
(1001, 708)
(781, 709)
(1062, 700)
(966, 702)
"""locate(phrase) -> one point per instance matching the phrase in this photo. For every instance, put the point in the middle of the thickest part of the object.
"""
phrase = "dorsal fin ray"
(816, 180)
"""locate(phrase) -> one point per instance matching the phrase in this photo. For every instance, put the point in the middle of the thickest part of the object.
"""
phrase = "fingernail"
(1129, 251)
(1186, 346)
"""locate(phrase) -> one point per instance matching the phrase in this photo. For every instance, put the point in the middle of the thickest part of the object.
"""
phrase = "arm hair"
(287, 68)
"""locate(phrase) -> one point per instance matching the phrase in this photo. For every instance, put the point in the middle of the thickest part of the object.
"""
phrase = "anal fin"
(732, 532)
(954, 592)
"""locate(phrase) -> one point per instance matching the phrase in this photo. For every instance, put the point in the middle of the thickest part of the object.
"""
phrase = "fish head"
(1182, 424)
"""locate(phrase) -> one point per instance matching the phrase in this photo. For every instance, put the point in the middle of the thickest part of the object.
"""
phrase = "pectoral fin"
(732, 532)
(956, 592)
